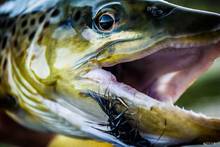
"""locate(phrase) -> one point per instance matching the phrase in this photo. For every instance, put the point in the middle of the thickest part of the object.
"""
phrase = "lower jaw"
(204, 95)
(156, 121)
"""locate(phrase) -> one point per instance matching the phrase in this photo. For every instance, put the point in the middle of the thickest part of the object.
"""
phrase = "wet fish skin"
(49, 48)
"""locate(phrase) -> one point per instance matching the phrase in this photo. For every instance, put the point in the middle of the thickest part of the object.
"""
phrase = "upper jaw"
(165, 70)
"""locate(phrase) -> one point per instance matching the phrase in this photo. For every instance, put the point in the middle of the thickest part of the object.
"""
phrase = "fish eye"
(105, 22)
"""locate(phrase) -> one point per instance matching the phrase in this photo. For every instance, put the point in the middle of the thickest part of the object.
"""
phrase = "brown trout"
(109, 70)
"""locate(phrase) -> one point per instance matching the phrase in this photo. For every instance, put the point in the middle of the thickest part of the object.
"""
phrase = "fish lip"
(167, 41)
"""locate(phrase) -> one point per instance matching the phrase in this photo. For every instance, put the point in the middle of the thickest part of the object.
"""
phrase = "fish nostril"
(154, 11)
(158, 11)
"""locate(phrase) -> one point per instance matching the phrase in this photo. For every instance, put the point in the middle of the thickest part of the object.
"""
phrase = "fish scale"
(17, 34)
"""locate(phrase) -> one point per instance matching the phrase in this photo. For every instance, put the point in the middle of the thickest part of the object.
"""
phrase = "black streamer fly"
(119, 122)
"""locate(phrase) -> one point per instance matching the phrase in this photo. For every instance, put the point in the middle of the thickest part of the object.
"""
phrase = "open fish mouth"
(137, 82)
(166, 74)
(148, 88)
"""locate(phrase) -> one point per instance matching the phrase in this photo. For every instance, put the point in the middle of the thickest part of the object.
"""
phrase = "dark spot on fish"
(5, 64)
(67, 23)
(41, 19)
(10, 23)
(34, 12)
(8, 102)
(25, 31)
(32, 36)
(4, 42)
(151, 108)
(32, 22)
(55, 13)
(3, 23)
(23, 16)
(13, 31)
(46, 24)
(15, 43)
(77, 16)
(24, 23)
(49, 10)
(40, 39)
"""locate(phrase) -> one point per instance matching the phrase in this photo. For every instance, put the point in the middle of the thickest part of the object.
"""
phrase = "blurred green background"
(211, 5)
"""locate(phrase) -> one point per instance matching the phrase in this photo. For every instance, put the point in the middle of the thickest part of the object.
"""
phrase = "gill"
(29, 92)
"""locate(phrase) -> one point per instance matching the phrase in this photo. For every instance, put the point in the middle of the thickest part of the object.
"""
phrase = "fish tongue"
(158, 122)
(129, 94)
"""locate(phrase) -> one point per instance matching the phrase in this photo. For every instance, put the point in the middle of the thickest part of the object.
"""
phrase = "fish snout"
(185, 21)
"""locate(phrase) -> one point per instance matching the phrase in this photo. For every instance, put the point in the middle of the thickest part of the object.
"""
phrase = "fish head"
(146, 35)
(121, 31)
(150, 55)
(126, 63)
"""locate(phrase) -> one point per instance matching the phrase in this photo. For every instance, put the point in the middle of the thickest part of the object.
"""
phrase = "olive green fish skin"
(48, 51)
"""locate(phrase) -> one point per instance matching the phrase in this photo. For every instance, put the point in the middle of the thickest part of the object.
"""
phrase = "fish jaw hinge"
(119, 122)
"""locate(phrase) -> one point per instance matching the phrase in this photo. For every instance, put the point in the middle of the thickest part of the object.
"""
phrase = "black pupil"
(106, 22)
